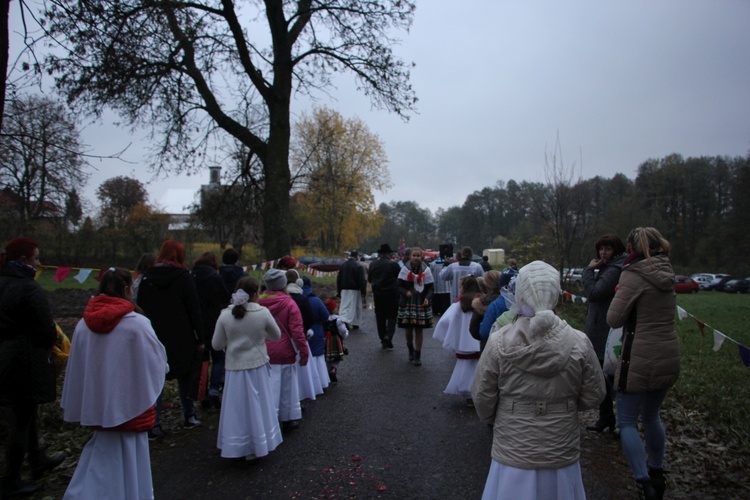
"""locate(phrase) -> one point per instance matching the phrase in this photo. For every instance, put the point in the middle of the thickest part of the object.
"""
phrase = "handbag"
(612, 350)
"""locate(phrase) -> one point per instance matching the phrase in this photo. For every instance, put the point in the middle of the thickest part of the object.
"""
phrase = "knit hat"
(538, 286)
(275, 279)
(537, 291)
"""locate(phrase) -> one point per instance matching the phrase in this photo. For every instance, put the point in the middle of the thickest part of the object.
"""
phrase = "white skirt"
(322, 369)
(309, 381)
(285, 390)
(462, 377)
(350, 309)
(248, 423)
(113, 465)
(508, 482)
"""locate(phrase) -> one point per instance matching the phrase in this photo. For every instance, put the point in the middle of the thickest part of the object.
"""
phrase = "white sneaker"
(191, 422)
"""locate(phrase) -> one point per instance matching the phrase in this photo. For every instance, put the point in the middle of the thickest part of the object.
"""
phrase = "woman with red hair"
(27, 334)
(169, 298)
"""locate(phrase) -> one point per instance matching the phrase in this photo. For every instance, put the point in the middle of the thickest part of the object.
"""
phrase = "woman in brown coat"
(644, 305)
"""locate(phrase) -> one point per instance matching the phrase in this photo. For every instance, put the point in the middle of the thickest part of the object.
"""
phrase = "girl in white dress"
(115, 373)
(248, 426)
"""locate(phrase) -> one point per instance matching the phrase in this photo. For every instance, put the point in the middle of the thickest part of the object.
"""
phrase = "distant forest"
(701, 205)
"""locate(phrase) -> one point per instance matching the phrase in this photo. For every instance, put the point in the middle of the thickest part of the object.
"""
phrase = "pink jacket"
(288, 317)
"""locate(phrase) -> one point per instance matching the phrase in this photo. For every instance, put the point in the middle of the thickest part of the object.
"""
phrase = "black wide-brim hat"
(384, 248)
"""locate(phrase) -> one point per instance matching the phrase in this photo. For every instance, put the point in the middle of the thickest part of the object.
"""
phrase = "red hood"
(103, 313)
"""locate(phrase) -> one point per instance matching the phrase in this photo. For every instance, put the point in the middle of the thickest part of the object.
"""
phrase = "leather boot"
(411, 352)
(646, 489)
(658, 482)
(417, 360)
(44, 463)
(602, 424)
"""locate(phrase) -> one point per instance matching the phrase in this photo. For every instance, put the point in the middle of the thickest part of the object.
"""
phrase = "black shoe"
(46, 463)
(19, 488)
(646, 490)
(417, 358)
(658, 482)
(602, 424)
(156, 433)
(389, 344)
(384, 343)
(289, 425)
(332, 375)
(411, 352)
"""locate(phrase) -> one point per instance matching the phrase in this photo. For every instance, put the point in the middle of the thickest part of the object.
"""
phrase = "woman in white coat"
(533, 378)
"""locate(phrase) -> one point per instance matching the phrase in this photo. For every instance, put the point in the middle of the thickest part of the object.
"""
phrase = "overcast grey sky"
(620, 81)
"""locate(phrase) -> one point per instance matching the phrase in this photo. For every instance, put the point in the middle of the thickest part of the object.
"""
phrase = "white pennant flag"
(718, 339)
(681, 313)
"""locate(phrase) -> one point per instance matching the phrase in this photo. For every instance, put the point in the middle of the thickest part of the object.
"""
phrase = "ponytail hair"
(250, 286)
(115, 281)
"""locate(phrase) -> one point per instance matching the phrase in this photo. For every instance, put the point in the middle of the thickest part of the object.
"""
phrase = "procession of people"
(274, 344)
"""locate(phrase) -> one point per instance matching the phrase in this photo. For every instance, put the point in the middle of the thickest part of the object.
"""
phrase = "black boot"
(417, 361)
(658, 482)
(44, 463)
(12, 488)
(411, 352)
(646, 490)
(604, 422)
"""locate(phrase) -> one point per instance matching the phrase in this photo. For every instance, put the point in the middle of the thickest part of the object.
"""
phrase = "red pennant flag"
(101, 273)
(61, 273)
(701, 326)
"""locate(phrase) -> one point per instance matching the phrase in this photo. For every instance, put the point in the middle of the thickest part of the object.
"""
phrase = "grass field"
(714, 385)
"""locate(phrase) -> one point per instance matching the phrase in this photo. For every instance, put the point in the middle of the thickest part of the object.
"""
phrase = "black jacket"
(599, 288)
(351, 277)
(212, 294)
(27, 334)
(169, 298)
(383, 276)
(231, 274)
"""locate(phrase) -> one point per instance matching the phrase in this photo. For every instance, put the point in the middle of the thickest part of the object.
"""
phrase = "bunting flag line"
(570, 297)
(84, 273)
(718, 336)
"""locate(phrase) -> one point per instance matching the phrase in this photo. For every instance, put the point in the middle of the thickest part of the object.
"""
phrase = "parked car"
(737, 286)
(309, 259)
(327, 264)
(573, 276)
(685, 284)
(718, 284)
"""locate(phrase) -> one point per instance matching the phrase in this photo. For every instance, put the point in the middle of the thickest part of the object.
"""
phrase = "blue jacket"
(319, 315)
(494, 311)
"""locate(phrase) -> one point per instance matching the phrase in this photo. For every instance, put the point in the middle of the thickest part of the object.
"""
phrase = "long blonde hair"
(648, 241)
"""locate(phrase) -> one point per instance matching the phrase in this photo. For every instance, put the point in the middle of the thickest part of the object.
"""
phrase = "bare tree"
(182, 67)
(559, 205)
(40, 157)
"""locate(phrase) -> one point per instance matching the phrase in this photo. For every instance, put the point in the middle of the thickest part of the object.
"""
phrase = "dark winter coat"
(212, 294)
(231, 274)
(351, 277)
(644, 305)
(169, 298)
(320, 316)
(599, 288)
(27, 334)
(383, 276)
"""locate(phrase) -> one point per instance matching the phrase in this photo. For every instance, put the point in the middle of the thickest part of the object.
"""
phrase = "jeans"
(647, 404)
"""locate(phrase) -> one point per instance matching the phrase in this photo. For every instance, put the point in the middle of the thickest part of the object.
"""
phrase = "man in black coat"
(383, 276)
(351, 286)
(229, 271)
